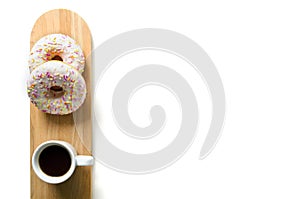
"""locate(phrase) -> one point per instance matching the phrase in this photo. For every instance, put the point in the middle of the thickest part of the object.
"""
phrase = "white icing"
(56, 44)
(56, 73)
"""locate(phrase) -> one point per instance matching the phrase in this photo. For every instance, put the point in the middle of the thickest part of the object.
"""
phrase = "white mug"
(55, 161)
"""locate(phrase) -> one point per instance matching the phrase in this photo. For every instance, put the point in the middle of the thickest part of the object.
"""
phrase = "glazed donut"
(56, 88)
(56, 47)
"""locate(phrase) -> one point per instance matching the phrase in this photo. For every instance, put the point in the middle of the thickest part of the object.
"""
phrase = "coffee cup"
(55, 161)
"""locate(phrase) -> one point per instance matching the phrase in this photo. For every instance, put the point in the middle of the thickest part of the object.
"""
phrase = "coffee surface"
(55, 161)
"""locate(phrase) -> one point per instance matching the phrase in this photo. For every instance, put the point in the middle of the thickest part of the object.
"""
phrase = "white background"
(255, 46)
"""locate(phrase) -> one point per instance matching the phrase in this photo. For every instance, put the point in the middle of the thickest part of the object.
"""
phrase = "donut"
(56, 47)
(57, 88)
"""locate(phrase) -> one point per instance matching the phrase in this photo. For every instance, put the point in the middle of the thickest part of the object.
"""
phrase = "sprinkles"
(56, 45)
(57, 88)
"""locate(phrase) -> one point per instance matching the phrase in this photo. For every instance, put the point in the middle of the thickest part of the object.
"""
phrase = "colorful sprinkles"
(60, 75)
(56, 45)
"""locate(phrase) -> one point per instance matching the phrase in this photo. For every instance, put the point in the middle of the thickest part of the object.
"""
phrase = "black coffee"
(55, 161)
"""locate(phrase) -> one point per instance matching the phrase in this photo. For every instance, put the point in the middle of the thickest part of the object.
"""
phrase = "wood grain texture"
(45, 127)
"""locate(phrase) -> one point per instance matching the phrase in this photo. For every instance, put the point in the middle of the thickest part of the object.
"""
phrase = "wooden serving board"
(45, 127)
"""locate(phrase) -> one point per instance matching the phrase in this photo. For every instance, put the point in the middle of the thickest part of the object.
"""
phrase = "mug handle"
(84, 160)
